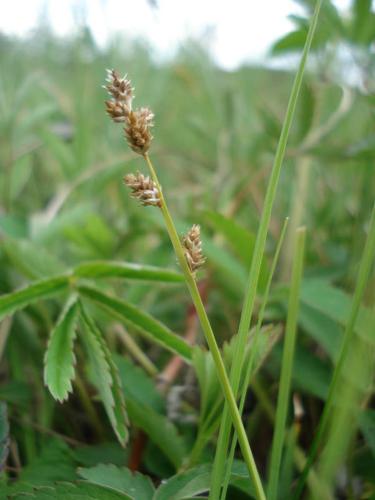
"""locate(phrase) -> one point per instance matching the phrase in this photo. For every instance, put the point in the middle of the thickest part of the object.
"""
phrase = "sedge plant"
(188, 250)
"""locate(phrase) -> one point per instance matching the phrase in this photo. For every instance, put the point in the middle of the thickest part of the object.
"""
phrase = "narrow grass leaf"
(106, 377)
(108, 269)
(366, 264)
(256, 262)
(256, 349)
(144, 323)
(59, 359)
(286, 367)
(14, 301)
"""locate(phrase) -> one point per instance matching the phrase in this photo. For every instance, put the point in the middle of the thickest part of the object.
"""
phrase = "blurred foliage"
(63, 203)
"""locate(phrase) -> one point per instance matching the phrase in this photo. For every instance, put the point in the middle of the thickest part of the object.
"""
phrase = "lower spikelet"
(193, 248)
(143, 189)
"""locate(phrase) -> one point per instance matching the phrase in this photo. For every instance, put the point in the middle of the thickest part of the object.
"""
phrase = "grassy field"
(107, 387)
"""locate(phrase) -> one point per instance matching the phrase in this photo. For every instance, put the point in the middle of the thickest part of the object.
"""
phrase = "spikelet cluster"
(138, 122)
(193, 248)
(143, 189)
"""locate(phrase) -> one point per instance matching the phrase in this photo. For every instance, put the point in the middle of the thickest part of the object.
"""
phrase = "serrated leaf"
(12, 302)
(81, 490)
(106, 377)
(59, 358)
(197, 480)
(159, 429)
(108, 269)
(144, 323)
(121, 479)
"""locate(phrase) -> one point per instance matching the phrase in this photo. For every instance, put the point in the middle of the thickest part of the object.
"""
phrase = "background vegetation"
(63, 203)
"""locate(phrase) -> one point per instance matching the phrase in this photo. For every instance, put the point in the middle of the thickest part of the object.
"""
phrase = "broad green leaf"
(31, 259)
(159, 429)
(153, 329)
(138, 385)
(367, 426)
(54, 462)
(292, 42)
(106, 377)
(4, 436)
(121, 479)
(43, 289)
(110, 452)
(81, 490)
(108, 269)
(197, 480)
(239, 238)
(335, 304)
(59, 358)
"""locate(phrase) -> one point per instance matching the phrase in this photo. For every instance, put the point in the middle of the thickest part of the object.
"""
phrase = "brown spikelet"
(119, 88)
(137, 130)
(143, 189)
(117, 110)
(193, 248)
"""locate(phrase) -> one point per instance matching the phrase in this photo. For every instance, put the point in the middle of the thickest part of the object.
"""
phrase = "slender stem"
(210, 338)
(286, 366)
(254, 351)
(256, 261)
(363, 275)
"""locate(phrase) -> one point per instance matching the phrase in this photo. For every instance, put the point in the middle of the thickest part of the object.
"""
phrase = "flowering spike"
(193, 248)
(119, 108)
(143, 189)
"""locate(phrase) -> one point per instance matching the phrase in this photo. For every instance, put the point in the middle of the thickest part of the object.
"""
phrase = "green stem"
(247, 310)
(287, 365)
(210, 338)
(363, 275)
(254, 350)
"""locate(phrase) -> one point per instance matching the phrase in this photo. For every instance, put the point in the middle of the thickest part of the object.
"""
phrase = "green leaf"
(144, 323)
(31, 259)
(292, 42)
(59, 358)
(159, 429)
(335, 304)
(80, 490)
(12, 302)
(108, 269)
(4, 435)
(53, 463)
(197, 480)
(138, 385)
(367, 426)
(121, 479)
(106, 377)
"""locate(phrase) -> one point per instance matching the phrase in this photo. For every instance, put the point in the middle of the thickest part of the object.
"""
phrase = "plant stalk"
(210, 338)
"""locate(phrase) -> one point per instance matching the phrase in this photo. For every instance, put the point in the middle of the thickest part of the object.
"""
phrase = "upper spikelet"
(119, 88)
(143, 189)
(137, 122)
(193, 248)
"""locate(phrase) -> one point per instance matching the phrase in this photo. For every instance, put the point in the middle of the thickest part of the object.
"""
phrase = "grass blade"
(141, 321)
(254, 352)
(247, 310)
(43, 289)
(363, 275)
(287, 365)
(108, 269)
